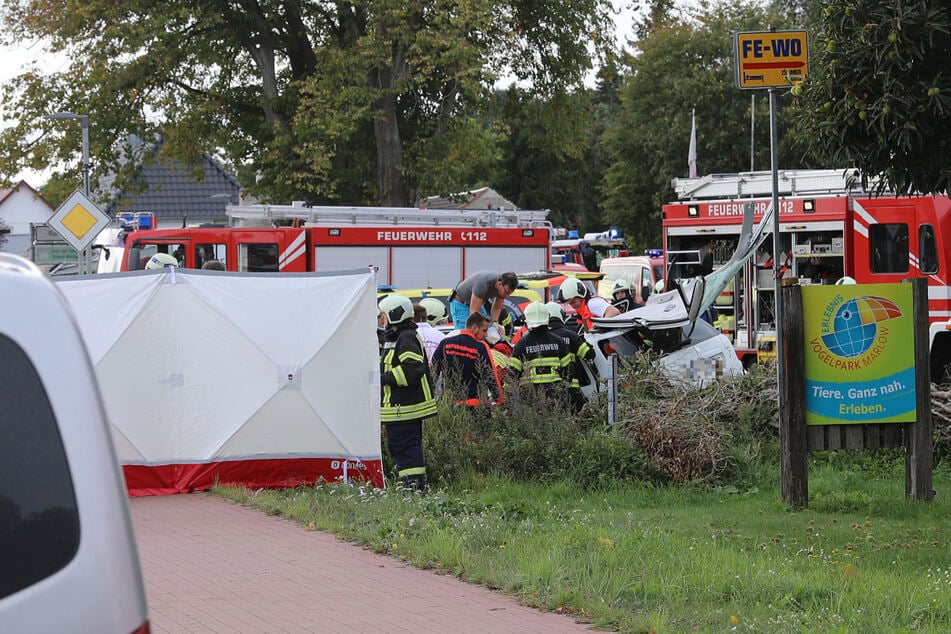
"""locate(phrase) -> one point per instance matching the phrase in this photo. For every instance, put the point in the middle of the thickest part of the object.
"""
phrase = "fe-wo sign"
(771, 59)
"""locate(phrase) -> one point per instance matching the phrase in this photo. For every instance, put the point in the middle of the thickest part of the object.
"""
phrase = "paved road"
(211, 565)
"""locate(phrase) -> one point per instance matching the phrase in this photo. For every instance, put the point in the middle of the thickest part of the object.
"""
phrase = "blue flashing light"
(613, 233)
(653, 253)
(136, 221)
(573, 234)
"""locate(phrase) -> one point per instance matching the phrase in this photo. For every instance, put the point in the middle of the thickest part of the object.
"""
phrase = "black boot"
(415, 483)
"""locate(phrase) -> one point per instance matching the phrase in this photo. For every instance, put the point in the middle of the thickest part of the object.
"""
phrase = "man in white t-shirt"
(430, 336)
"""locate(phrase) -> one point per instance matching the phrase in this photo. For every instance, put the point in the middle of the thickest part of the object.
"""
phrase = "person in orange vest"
(576, 294)
(464, 363)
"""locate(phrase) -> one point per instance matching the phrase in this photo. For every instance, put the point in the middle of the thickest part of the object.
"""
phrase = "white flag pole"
(692, 152)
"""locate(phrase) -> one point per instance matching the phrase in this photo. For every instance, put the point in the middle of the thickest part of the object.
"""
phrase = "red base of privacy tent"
(169, 479)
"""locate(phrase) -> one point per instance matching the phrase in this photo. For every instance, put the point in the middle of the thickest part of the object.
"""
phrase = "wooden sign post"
(860, 385)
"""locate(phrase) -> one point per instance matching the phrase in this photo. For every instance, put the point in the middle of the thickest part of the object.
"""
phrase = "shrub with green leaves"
(532, 438)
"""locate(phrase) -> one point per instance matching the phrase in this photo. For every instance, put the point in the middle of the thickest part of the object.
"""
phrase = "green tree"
(552, 153)
(332, 102)
(684, 62)
(58, 188)
(878, 94)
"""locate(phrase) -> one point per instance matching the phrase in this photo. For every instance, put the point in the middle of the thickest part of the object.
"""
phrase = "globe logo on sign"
(855, 325)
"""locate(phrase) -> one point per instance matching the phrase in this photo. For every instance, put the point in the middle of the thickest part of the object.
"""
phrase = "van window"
(646, 286)
(888, 248)
(39, 522)
(927, 249)
(258, 257)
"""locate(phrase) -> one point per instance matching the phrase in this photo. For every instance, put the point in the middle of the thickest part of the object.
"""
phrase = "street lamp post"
(84, 122)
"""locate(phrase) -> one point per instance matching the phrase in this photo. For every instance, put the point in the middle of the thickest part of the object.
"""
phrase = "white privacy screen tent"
(263, 380)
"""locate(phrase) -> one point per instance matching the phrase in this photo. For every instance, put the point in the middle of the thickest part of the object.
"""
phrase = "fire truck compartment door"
(501, 259)
(329, 258)
(426, 267)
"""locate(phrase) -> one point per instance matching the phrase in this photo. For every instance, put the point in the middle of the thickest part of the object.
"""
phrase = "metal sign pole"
(778, 254)
(612, 389)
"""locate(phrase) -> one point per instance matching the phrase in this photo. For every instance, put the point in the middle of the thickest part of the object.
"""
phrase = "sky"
(14, 58)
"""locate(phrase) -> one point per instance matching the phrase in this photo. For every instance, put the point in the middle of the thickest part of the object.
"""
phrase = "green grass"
(638, 558)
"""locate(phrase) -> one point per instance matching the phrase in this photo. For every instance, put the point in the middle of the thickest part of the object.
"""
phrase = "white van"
(68, 559)
(642, 271)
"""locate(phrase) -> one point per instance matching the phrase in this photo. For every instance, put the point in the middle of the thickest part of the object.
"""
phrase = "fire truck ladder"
(760, 184)
(410, 216)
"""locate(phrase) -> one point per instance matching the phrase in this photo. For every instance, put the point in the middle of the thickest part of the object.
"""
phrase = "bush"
(535, 438)
(707, 434)
(665, 433)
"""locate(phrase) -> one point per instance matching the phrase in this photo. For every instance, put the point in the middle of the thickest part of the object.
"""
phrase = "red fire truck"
(829, 228)
(412, 248)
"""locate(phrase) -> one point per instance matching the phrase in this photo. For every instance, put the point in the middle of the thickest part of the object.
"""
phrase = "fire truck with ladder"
(829, 228)
(412, 248)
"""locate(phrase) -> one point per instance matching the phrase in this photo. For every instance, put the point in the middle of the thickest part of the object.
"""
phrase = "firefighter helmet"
(397, 308)
(845, 280)
(536, 314)
(620, 284)
(571, 288)
(160, 261)
(435, 311)
(556, 312)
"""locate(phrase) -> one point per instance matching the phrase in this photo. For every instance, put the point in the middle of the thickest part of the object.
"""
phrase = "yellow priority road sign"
(78, 220)
(770, 59)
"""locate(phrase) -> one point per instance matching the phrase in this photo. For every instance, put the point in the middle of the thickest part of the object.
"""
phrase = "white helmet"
(845, 280)
(536, 314)
(556, 312)
(397, 308)
(160, 261)
(435, 310)
(620, 284)
(571, 288)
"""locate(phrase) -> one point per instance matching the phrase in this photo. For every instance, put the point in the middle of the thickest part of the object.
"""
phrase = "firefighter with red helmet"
(576, 294)
(407, 396)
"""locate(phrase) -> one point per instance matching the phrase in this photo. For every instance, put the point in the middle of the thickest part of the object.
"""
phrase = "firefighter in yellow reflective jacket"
(541, 358)
(407, 391)
(580, 351)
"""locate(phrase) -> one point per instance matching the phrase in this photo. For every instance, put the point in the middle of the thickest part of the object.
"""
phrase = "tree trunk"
(389, 154)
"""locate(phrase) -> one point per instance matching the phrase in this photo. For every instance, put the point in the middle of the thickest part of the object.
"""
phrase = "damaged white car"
(690, 348)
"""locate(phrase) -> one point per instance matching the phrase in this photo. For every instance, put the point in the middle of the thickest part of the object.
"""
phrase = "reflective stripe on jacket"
(467, 368)
(541, 358)
(405, 382)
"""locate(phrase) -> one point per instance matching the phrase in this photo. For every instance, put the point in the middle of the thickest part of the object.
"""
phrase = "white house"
(20, 206)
